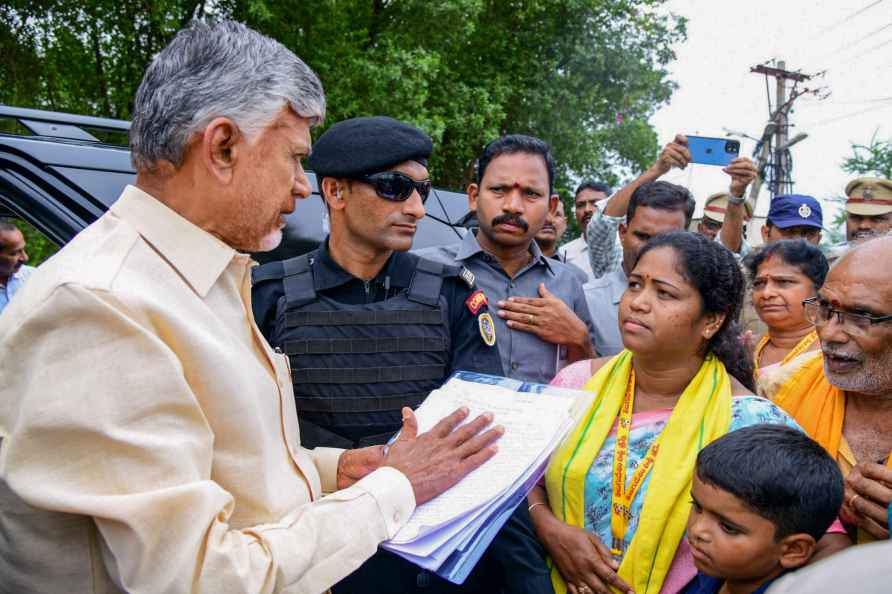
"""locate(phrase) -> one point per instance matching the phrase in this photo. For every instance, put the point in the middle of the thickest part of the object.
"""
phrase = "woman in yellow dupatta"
(782, 275)
(617, 493)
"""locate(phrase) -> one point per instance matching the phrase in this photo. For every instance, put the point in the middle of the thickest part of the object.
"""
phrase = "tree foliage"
(585, 75)
(873, 159)
(37, 246)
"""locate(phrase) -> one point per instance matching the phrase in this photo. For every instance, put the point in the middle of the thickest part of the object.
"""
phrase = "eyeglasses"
(853, 324)
(396, 186)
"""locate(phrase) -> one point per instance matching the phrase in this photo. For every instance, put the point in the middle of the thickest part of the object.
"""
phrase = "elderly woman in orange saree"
(783, 274)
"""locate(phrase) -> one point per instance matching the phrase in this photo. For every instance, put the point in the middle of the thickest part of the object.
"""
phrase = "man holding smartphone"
(601, 234)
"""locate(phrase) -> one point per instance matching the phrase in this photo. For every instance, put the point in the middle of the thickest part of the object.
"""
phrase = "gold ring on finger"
(531, 320)
(852, 500)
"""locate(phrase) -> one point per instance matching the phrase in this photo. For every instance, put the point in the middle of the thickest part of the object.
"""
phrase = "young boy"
(762, 497)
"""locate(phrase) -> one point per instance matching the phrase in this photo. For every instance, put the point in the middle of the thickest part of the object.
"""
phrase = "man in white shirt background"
(13, 271)
(588, 195)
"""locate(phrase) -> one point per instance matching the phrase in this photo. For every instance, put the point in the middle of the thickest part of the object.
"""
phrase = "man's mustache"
(831, 351)
(511, 219)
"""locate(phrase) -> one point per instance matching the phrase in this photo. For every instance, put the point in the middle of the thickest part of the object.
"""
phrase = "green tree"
(37, 246)
(585, 75)
(870, 159)
(83, 57)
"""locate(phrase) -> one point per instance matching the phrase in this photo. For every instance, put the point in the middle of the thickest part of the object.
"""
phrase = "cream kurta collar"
(196, 254)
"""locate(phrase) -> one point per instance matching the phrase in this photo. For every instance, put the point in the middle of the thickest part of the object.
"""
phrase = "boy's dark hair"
(780, 473)
(665, 196)
(516, 143)
(594, 186)
(796, 252)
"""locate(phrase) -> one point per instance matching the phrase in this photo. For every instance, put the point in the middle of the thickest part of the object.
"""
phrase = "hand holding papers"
(449, 533)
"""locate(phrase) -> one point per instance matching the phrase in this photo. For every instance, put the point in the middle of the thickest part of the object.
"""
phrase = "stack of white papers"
(447, 535)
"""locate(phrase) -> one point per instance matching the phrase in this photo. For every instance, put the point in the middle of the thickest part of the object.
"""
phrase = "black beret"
(367, 145)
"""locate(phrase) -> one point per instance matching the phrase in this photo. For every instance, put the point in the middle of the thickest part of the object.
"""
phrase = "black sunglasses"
(396, 186)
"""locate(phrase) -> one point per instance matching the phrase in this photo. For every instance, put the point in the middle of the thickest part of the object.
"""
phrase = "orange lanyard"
(801, 346)
(621, 506)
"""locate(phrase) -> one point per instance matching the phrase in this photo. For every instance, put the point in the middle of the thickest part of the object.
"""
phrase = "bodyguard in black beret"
(359, 146)
(370, 328)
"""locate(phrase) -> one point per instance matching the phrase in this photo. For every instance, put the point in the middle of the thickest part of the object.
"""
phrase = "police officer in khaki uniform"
(714, 214)
(868, 208)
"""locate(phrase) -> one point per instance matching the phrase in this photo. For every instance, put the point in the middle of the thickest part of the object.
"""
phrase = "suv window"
(60, 172)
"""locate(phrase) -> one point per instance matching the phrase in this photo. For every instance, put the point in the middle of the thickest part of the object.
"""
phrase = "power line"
(823, 105)
(848, 18)
(876, 47)
(843, 49)
(847, 116)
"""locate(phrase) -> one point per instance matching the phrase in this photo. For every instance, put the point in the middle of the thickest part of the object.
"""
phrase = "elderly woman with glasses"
(782, 275)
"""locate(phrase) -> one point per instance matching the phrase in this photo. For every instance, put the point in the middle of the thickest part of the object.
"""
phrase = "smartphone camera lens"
(732, 146)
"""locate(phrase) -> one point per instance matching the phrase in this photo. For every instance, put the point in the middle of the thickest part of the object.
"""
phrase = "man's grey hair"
(217, 70)
(7, 225)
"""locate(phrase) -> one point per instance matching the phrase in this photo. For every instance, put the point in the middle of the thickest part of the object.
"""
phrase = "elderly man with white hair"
(843, 398)
(149, 437)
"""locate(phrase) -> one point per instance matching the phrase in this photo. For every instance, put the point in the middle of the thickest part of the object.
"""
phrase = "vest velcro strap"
(367, 375)
(323, 404)
(426, 282)
(432, 266)
(298, 281)
(294, 319)
(332, 346)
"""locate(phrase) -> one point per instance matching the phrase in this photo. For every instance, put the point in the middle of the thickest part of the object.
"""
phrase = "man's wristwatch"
(736, 200)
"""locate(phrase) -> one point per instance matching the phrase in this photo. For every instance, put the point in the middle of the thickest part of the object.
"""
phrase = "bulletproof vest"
(355, 366)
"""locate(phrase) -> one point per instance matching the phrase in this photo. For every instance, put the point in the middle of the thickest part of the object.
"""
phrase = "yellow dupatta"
(702, 414)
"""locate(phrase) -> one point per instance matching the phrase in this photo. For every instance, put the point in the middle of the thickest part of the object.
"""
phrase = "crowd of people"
(175, 419)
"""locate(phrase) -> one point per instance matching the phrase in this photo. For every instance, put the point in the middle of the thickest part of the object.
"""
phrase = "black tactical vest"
(355, 366)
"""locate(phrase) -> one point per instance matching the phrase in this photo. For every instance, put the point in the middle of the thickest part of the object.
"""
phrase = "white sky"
(716, 88)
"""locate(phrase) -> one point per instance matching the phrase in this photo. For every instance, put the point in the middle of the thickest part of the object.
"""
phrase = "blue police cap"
(367, 145)
(794, 210)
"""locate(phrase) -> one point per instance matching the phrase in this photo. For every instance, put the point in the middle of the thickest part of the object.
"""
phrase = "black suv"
(67, 172)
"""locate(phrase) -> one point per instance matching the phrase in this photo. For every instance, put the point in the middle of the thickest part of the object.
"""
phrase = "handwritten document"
(449, 533)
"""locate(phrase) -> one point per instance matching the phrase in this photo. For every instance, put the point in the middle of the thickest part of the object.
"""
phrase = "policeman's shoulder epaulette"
(268, 271)
(461, 272)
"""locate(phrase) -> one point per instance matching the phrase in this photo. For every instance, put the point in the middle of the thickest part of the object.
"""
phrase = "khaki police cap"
(717, 204)
(869, 196)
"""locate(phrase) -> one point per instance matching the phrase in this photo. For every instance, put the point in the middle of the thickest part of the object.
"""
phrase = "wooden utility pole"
(777, 129)
(780, 135)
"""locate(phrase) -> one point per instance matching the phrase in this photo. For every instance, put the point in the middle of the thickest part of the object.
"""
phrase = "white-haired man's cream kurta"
(149, 436)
